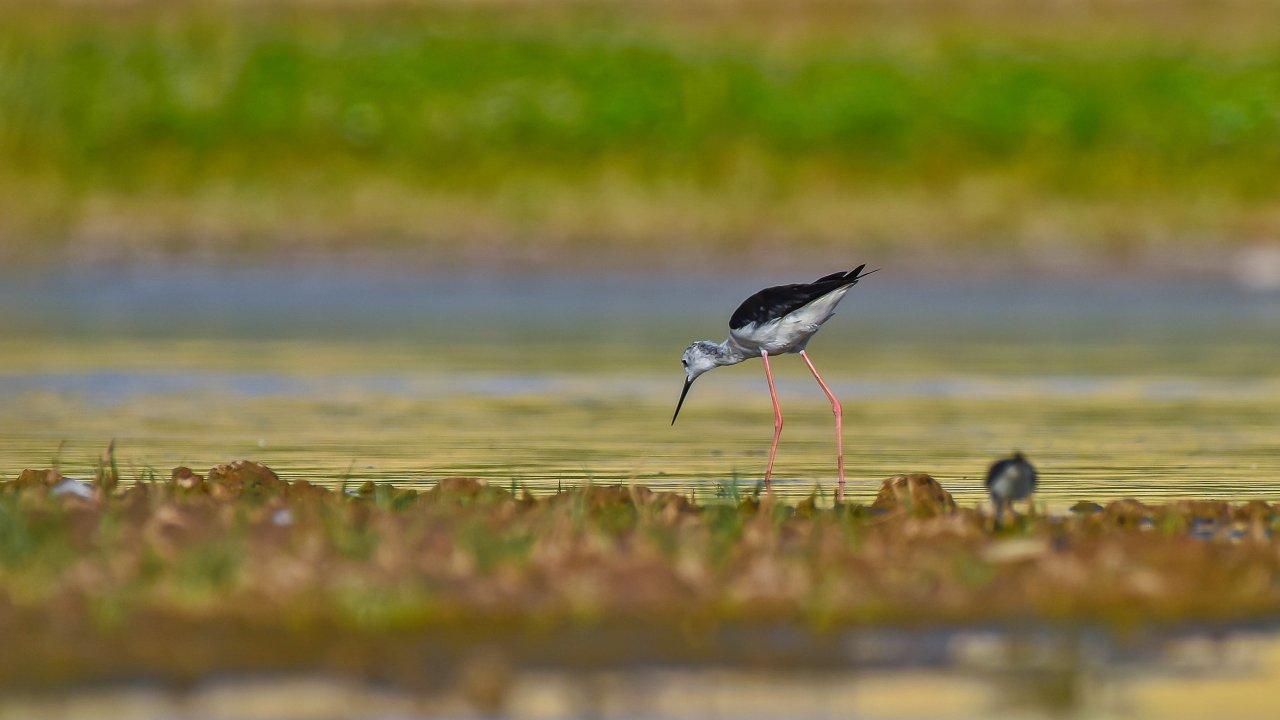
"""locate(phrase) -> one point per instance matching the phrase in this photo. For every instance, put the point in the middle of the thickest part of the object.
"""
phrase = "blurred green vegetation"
(226, 126)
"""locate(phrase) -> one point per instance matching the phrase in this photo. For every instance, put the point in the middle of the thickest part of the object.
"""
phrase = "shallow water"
(1154, 391)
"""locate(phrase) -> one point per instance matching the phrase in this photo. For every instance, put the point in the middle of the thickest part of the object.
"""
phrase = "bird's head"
(698, 358)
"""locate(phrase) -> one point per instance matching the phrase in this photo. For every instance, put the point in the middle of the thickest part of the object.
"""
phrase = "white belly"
(791, 332)
(1011, 485)
(775, 337)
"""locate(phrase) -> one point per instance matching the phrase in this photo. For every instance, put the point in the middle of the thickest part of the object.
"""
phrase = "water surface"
(1156, 390)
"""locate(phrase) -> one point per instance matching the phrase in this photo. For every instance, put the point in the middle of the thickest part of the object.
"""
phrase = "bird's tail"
(850, 277)
(857, 273)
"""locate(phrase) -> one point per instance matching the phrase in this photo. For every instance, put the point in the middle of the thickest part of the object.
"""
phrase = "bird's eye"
(684, 363)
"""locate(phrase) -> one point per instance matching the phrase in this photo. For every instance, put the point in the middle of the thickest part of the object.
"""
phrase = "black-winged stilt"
(1012, 478)
(774, 321)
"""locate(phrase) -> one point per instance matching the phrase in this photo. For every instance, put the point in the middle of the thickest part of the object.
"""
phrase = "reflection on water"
(1123, 389)
(1093, 437)
(936, 675)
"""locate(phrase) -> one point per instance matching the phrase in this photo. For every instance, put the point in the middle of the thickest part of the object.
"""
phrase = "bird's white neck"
(730, 353)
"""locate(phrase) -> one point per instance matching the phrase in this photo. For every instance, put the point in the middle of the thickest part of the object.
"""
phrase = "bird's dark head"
(698, 358)
(1016, 462)
(1021, 459)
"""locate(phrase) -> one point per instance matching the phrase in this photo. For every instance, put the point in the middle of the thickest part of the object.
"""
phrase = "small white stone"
(1016, 550)
(71, 486)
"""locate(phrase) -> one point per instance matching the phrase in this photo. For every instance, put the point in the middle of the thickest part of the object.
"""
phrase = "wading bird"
(1010, 479)
(774, 321)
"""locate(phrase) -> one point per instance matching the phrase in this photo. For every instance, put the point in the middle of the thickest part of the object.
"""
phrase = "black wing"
(775, 302)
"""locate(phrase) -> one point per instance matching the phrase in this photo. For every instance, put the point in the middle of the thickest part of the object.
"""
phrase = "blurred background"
(946, 136)
(396, 240)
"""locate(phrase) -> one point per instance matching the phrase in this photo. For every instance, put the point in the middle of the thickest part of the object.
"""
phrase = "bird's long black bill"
(685, 391)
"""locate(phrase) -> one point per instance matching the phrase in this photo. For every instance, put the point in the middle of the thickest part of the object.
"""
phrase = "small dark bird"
(776, 321)
(1010, 479)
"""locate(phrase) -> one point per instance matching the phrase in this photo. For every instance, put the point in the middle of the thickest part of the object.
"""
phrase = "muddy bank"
(236, 568)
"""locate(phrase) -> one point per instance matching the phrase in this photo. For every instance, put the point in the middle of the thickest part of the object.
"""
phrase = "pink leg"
(835, 408)
(777, 423)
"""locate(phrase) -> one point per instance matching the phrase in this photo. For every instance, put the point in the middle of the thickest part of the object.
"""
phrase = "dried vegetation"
(237, 568)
